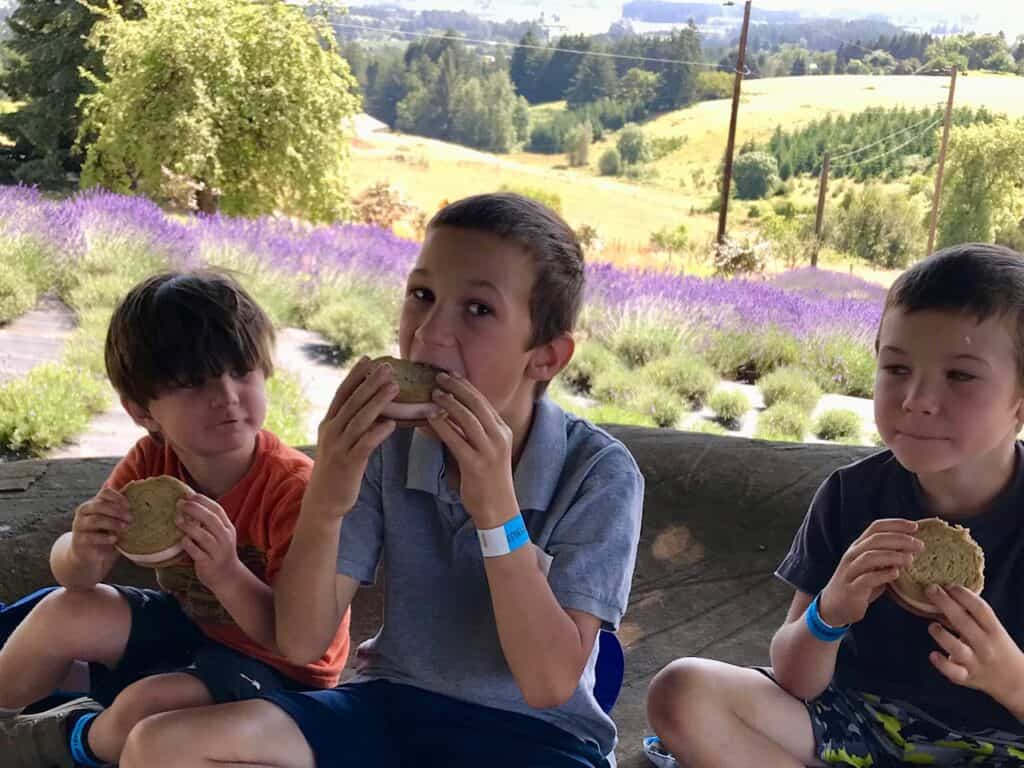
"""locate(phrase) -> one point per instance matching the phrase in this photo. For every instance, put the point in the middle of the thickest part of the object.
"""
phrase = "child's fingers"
(368, 416)
(891, 525)
(872, 580)
(362, 408)
(370, 439)
(877, 559)
(900, 542)
(462, 417)
(954, 672)
(956, 649)
(348, 385)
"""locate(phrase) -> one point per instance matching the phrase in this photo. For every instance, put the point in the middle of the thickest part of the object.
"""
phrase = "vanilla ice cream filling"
(154, 558)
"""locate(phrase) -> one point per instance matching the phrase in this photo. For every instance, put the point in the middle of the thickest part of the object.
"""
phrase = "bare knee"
(143, 699)
(70, 615)
(150, 742)
(679, 693)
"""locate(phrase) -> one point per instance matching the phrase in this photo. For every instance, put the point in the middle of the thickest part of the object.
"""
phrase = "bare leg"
(150, 696)
(248, 734)
(712, 714)
(66, 626)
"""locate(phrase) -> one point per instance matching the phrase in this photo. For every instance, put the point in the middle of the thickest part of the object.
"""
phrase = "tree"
(44, 52)
(577, 144)
(594, 80)
(678, 81)
(488, 114)
(257, 114)
(632, 145)
(756, 175)
(562, 67)
(638, 86)
(799, 67)
(983, 182)
(527, 66)
(883, 228)
(610, 163)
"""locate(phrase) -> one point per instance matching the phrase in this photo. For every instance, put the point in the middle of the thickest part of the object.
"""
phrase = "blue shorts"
(163, 639)
(388, 725)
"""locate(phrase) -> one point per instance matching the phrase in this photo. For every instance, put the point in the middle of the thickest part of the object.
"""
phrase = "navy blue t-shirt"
(887, 652)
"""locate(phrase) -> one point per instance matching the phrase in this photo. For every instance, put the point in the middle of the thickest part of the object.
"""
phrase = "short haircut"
(557, 294)
(181, 328)
(975, 279)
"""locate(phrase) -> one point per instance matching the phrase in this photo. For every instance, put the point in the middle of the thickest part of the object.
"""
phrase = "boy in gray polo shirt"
(506, 530)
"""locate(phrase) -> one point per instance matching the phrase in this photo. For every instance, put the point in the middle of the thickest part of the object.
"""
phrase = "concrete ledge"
(719, 515)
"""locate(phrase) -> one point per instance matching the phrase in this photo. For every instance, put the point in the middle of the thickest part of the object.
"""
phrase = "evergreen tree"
(594, 80)
(527, 67)
(44, 50)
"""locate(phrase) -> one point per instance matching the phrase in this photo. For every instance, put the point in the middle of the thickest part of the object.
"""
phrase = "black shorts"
(163, 639)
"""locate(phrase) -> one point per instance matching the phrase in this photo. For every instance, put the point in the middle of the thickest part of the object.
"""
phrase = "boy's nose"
(223, 390)
(920, 397)
(436, 329)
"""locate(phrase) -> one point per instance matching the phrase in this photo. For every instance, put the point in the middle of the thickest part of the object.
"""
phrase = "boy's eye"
(896, 370)
(421, 294)
(479, 309)
(961, 376)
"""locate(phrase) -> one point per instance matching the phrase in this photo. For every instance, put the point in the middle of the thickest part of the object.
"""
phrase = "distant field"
(626, 213)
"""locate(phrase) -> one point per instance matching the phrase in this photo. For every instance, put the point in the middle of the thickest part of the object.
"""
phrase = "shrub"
(840, 363)
(747, 355)
(287, 407)
(664, 408)
(551, 199)
(671, 240)
(838, 424)
(98, 291)
(884, 228)
(705, 427)
(714, 85)
(281, 294)
(641, 339)
(615, 386)
(612, 414)
(783, 421)
(589, 361)
(729, 406)
(790, 385)
(610, 163)
(754, 211)
(42, 409)
(35, 260)
(17, 293)
(682, 374)
(84, 350)
(756, 175)
(735, 257)
(577, 145)
(354, 321)
(381, 205)
(665, 145)
(632, 145)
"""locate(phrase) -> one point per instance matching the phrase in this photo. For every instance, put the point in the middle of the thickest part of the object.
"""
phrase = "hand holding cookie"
(873, 561)
(351, 430)
(209, 538)
(96, 527)
(976, 651)
(481, 443)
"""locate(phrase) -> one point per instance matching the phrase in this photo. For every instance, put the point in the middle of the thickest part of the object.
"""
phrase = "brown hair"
(557, 293)
(180, 328)
(975, 279)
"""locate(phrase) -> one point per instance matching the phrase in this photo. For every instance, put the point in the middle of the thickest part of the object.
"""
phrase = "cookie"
(416, 382)
(153, 540)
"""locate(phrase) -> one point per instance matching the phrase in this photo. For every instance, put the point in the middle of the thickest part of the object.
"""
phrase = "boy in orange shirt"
(189, 355)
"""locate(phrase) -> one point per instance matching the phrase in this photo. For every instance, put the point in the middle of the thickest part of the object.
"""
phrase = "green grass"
(790, 385)
(287, 407)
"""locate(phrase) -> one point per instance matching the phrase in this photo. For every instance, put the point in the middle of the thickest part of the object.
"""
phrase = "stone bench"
(719, 514)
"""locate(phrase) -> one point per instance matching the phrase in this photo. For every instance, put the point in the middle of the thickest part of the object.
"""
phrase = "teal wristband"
(817, 626)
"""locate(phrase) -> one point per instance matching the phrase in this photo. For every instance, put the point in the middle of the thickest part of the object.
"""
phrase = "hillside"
(627, 212)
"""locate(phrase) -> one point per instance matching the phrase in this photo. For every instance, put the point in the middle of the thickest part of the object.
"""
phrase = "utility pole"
(942, 165)
(820, 217)
(741, 58)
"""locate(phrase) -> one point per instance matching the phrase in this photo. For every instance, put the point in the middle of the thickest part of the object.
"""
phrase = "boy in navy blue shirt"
(506, 529)
(856, 679)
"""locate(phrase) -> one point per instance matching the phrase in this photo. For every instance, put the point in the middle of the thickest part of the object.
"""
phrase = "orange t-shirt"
(264, 508)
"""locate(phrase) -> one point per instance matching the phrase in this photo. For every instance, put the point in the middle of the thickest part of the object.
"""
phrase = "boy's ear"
(546, 360)
(140, 415)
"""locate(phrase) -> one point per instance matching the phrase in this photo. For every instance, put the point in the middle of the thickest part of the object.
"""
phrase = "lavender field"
(345, 282)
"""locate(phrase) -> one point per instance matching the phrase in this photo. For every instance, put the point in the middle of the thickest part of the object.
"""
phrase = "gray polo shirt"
(580, 493)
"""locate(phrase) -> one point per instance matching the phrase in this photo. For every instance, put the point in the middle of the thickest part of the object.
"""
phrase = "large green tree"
(42, 55)
(982, 193)
(249, 99)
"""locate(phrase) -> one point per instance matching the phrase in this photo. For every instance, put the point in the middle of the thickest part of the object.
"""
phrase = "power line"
(605, 54)
(881, 140)
(909, 141)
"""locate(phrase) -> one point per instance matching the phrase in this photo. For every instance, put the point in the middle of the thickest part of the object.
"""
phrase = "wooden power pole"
(942, 165)
(741, 58)
(819, 218)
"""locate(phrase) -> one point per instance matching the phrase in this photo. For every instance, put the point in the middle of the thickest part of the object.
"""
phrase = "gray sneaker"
(40, 740)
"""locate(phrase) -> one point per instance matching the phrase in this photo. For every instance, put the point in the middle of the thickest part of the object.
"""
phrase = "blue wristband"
(507, 538)
(817, 626)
